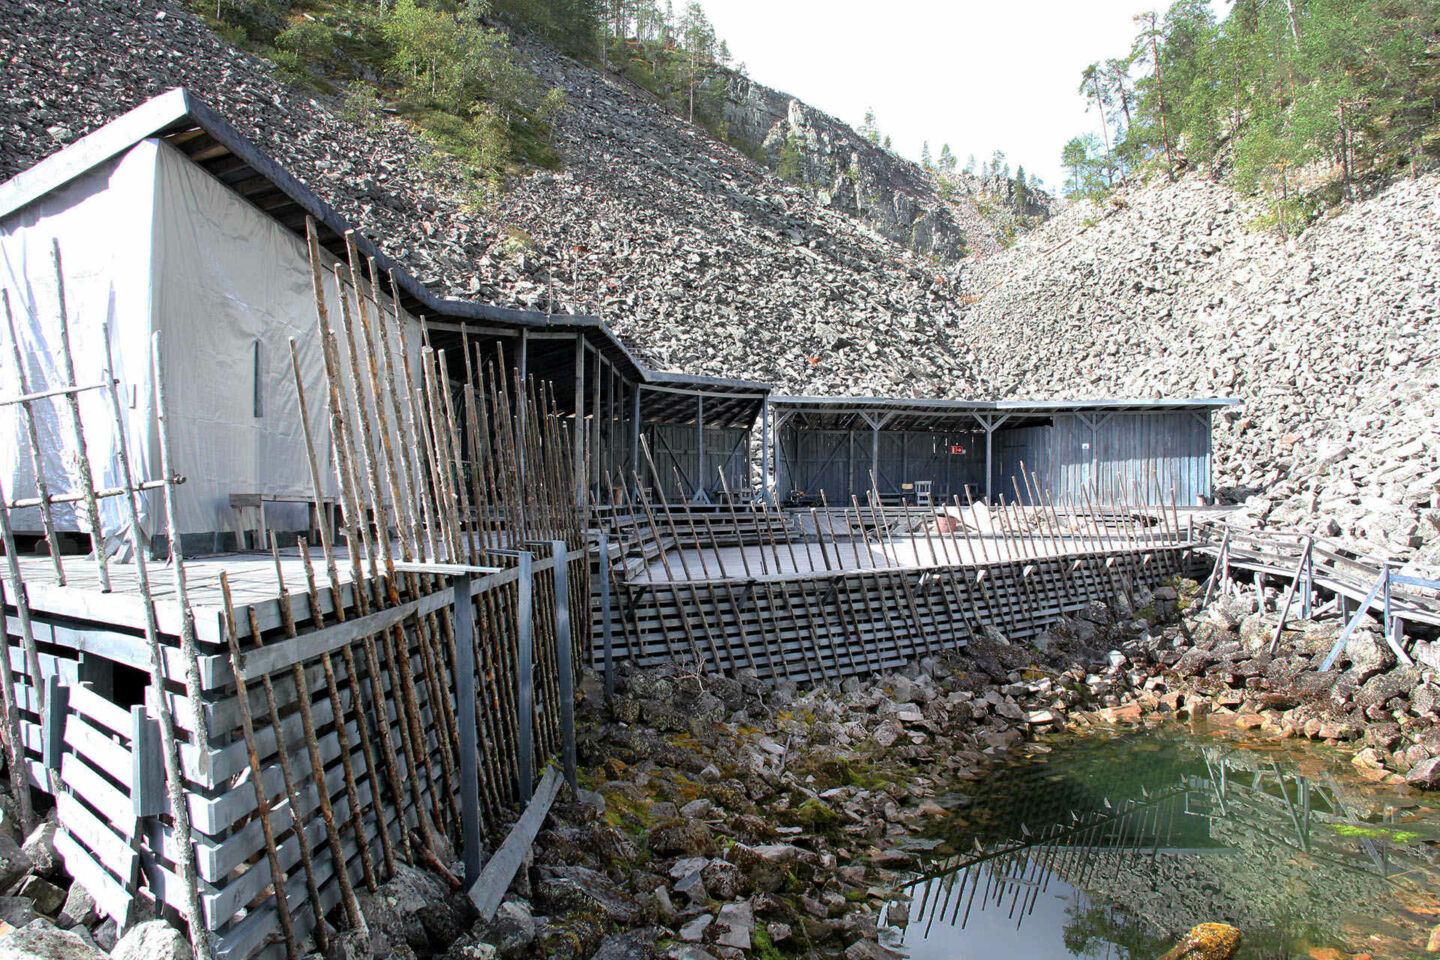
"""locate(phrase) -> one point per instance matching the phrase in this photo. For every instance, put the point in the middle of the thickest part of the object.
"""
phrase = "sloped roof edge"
(179, 110)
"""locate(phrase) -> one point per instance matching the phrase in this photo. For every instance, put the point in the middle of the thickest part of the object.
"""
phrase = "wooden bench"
(248, 511)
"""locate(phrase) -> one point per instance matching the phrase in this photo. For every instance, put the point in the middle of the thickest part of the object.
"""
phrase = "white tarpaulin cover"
(153, 243)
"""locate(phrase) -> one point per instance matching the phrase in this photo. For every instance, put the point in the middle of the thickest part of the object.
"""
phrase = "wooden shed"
(1116, 449)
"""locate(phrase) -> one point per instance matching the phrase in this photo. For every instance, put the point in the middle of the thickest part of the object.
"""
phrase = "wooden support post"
(465, 694)
(766, 439)
(47, 519)
(147, 793)
(1290, 595)
(1217, 574)
(487, 892)
(82, 455)
(16, 763)
(52, 722)
(566, 662)
(635, 433)
(699, 495)
(607, 628)
(525, 695)
(579, 435)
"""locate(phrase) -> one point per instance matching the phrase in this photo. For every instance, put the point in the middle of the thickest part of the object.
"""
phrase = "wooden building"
(205, 244)
(1116, 449)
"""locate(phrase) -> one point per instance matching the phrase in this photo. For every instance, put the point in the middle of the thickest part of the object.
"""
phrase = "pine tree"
(947, 159)
(870, 130)
(926, 161)
(1090, 84)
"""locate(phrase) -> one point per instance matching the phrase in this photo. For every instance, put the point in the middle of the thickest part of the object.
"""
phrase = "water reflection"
(1114, 848)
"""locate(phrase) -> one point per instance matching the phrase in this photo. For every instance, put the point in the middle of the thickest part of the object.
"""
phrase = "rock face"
(1330, 340)
(42, 940)
(846, 172)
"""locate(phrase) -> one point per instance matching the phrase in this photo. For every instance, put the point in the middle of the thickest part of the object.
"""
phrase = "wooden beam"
(487, 892)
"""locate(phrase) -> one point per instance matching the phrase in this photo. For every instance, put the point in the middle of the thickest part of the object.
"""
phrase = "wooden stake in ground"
(186, 865)
(16, 763)
(82, 453)
(47, 519)
(282, 756)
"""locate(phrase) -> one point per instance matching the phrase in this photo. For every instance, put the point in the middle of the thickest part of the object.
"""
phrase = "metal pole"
(464, 622)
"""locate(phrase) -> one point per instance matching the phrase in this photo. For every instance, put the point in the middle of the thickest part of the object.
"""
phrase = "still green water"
(1115, 846)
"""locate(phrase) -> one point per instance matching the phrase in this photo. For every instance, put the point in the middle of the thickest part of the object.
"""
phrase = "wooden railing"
(1361, 584)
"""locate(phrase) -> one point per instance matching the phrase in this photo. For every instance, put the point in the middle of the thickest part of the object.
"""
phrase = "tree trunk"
(1294, 26)
(1104, 129)
(1160, 91)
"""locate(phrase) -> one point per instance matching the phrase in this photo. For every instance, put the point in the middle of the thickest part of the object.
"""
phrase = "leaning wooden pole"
(47, 518)
(185, 859)
(82, 452)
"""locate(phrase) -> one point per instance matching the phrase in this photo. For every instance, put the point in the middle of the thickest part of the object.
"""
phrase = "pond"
(1115, 846)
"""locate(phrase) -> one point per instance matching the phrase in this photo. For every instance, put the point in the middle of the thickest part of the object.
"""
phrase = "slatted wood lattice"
(825, 593)
(296, 730)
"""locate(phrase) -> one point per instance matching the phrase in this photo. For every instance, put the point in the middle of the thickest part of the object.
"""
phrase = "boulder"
(14, 863)
(152, 940)
(79, 908)
(737, 923)
(512, 929)
(17, 911)
(1207, 941)
(40, 848)
(1425, 774)
(576, 889)
(682, 838)
(42, 940)
(723, 879)
(768, 867)
(47, 897)
(621, 946)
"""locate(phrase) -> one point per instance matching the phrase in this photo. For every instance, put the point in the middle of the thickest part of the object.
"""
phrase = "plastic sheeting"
(155, 243)
(103, 222)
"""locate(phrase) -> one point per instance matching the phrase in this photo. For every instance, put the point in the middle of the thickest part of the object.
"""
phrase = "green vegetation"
(1308, 103)
(789, 166)
(441, 64)
(680, 60)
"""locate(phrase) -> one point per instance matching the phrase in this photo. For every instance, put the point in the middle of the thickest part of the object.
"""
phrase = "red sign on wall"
(956, 450)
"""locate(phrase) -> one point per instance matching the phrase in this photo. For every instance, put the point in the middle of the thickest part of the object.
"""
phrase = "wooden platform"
(93, 653)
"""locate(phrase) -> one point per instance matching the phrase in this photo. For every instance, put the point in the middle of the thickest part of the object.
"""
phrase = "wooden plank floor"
(907, 553)
(252, 583)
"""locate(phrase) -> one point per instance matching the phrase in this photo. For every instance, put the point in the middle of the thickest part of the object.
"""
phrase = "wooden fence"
(245, 741)
(822, 594)
(1310, 566)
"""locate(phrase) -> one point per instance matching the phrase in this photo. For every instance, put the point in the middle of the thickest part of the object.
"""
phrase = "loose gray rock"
(42, 940)
(152, 940)
(40, 848)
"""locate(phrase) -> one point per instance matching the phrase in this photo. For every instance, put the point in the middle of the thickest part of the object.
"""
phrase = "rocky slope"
(651, 224)
(846, 172)
(1330, 341)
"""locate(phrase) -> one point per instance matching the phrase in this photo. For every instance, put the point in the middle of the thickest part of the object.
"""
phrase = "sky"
(979, 76)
